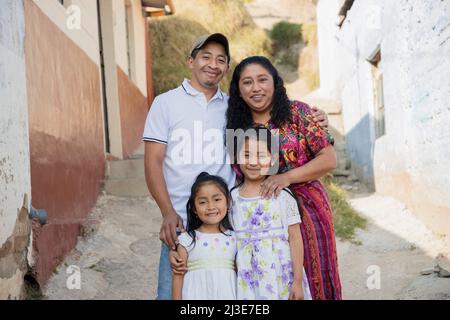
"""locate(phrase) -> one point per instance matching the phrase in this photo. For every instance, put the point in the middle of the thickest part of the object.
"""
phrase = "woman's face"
(256, 87)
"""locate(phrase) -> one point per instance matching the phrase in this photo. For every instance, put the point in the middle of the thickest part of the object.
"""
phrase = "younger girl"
(208, 245)
(269, 242)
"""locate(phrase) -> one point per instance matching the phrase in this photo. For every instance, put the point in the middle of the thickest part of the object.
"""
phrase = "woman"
(258, 97)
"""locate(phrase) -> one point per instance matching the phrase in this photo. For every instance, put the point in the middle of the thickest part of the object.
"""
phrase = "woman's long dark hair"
(193, 222)
(239, 115)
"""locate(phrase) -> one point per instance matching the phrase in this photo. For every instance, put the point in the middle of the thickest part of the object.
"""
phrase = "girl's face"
(254, 159)
(256, 87)
(211, 204)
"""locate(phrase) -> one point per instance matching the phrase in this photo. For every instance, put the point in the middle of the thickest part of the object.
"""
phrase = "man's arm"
(154, 158)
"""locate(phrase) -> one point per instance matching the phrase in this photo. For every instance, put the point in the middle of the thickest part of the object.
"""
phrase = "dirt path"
(398, 247)
(118, 259)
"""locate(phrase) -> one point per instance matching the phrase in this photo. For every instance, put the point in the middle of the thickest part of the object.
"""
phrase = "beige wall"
(120, 34)
(87, 36)
(132, 63)
(138, 54)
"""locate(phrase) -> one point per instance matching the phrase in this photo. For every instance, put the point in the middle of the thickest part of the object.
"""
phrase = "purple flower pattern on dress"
(263, 251)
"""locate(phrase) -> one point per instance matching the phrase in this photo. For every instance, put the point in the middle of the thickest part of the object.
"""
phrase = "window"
(378, 95)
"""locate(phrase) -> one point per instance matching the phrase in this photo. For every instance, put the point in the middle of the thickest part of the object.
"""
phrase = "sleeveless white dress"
(211, 271)
(263, 252)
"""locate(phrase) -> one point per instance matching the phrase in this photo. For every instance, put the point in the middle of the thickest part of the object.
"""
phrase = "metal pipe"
(39, 214)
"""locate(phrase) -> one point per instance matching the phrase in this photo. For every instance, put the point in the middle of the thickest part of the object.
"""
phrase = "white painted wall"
(416, 42)
(412, 160)
(14, 142)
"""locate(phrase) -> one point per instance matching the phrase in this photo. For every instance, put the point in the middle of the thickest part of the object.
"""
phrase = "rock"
(89, 227)
(427, 272)
(341, 173)
(443, 273)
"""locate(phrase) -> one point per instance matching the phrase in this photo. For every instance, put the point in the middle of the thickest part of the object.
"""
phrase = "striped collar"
(189, 89)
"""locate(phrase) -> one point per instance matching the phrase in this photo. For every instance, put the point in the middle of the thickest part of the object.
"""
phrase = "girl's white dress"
(211, 271)
(263, 253)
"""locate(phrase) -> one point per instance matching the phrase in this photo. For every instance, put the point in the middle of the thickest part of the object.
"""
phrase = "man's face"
(209, 66)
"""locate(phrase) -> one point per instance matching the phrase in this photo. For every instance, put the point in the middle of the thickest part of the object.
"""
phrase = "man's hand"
(177, 263)
(320, 116)
(274, 185)
(168, 231)
(297, 291)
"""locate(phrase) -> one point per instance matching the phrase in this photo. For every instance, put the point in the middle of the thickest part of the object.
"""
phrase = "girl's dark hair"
(193, 222)
(260, 133)
(239, 115)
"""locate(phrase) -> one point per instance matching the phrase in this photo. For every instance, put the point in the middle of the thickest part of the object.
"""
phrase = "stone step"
(126, 169)
(127, 187)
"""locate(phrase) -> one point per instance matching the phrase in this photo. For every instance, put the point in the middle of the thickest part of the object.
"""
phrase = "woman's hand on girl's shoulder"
(274, 185)
(177, 263)
(297, 291)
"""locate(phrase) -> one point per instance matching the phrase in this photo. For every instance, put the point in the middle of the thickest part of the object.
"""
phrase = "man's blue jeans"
(165, 275)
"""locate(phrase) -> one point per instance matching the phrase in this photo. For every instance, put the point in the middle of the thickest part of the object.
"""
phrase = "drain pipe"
(39, 214)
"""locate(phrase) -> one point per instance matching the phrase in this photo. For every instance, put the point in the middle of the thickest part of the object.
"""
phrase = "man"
(175, 128)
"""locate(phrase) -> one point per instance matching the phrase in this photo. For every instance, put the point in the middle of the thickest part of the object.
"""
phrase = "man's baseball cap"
(215, 37)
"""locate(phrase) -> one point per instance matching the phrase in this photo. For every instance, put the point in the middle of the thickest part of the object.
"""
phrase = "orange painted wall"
(66, 137)
(133, 112)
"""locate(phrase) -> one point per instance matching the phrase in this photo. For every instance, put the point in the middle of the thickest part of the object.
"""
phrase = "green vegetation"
(285, 34)
(171, 38)
(346, 219)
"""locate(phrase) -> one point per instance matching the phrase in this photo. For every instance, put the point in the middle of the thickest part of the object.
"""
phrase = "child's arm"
(177, 279)
(296, 246)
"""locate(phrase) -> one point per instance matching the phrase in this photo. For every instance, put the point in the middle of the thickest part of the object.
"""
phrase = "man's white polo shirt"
(193, 130)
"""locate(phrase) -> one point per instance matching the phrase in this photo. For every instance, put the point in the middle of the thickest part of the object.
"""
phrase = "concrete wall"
(66, 135)
(14, 152)
(412, 159)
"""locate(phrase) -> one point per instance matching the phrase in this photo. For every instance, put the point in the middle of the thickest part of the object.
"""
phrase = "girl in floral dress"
(208, 245)
(269, 242)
